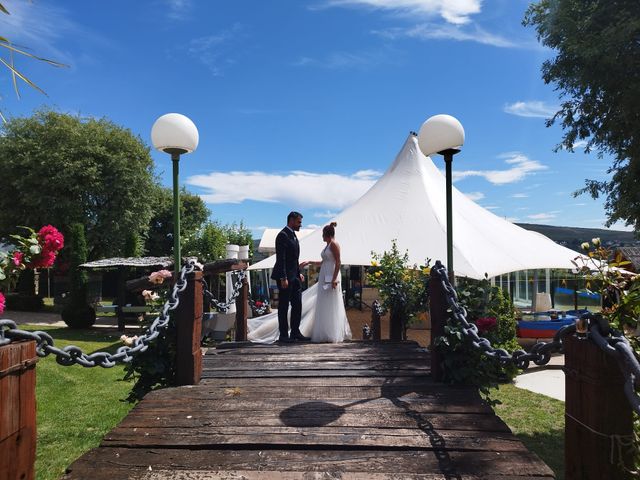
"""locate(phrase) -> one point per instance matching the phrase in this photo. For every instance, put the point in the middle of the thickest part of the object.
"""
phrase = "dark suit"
(287, 266)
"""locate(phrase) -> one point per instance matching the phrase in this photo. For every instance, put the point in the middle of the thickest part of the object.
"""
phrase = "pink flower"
(44, 259)
(159, 276)
(51, 238)
(485, 324)
(2, 303)
(18, 258)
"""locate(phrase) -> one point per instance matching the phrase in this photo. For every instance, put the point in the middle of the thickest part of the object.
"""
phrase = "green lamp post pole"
(176, 135)
(175, 159)
(443, 134)
(448, 160)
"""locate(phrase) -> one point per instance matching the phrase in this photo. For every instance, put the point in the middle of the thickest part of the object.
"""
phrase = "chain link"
(378, 309)
(223, 307)
(71, 354)
(611, 341)
(540, 353)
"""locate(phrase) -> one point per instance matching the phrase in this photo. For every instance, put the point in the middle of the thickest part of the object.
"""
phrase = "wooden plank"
(123, 463)
(352, 411)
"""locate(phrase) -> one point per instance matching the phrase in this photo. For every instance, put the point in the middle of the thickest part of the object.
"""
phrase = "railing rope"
(69, 355)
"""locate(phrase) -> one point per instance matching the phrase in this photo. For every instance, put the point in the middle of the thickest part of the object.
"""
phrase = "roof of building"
(631, 254)
(140, 262)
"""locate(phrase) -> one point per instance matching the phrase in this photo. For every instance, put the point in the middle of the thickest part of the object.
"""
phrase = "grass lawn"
(537, 420)
(77, 406)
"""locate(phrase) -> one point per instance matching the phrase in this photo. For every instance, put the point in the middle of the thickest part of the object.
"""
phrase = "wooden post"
(188, 332)
(242, 310)
(121, 297)
(395, 325)
(18, 410)
(595, 402)
(375, 322)
(438, 314)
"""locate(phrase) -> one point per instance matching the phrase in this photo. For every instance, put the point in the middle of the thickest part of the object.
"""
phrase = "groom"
(286, 272)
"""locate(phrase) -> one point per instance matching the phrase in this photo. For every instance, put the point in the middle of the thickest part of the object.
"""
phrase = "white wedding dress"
(324, 318)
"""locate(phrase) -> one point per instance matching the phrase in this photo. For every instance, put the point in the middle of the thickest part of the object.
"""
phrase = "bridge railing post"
(18, 410)
(438, 314)
(375, 323)
(242, 312)
(598, 414)
(188, 332)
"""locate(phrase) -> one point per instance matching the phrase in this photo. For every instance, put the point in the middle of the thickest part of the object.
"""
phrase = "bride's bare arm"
(335, 249)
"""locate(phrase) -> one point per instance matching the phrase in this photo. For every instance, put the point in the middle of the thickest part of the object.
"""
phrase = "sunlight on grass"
(77, 406)
(537, 421)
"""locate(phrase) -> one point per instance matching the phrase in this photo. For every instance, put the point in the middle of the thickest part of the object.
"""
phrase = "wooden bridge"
(357, 410)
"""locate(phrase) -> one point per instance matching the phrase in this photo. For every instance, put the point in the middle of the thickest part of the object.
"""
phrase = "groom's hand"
(301, 278)
(284, 284)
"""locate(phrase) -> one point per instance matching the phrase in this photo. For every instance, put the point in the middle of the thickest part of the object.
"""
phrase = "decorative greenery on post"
(403, 288)
(77, 313)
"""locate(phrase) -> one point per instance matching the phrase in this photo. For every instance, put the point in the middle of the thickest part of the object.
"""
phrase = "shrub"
(24, 303)
(77, 313)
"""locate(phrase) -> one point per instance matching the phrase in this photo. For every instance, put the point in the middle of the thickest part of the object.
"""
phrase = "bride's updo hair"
(330, 230)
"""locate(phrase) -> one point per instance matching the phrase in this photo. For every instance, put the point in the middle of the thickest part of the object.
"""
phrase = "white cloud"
(178, 9)
(306, 189)
(521, 168)
(217, 51)
(520, 195)
(342, 60)
(475, 196)
(580, 144)
(453, 11)
(326, 214)
(447, 32)
(492, 207)
(533, 109)
(542, 216)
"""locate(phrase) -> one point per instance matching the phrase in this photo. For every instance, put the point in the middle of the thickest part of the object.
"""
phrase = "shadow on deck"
(351, 411)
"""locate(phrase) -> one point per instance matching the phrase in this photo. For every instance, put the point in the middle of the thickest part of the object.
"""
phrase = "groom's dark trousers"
(290, 296)
(287, 267)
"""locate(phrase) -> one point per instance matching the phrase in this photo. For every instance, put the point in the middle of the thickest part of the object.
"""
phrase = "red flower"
(485, 324)
(50, 238)
(18, 258)
(44, 259)
(2, 302)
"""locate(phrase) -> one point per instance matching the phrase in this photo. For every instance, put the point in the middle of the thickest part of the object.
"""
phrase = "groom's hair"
(292, 215)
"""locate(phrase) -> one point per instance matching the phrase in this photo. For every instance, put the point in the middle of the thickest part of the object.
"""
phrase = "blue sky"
(302, 104)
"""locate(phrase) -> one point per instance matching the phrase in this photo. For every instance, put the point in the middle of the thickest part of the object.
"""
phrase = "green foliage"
(77, 313)
(62, 169)
(23, 302)
(494, 314)
(596, 72)
(193, 214)
(155, 367)
(77, 406)
(208, 244)
(133, 245)
(403, 288)
(238, 234)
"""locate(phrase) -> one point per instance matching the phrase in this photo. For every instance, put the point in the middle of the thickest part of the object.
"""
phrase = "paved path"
(547, 380)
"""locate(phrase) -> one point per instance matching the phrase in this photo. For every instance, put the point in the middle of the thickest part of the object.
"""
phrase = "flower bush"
(403, 288)
(493, 313)
(37, 250)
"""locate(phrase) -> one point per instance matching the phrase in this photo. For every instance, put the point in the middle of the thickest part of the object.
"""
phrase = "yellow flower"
(378, 274)
(374, 263)
(426, 270)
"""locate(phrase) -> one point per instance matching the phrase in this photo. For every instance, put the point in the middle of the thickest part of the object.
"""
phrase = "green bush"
(23, 303)
(77, 313)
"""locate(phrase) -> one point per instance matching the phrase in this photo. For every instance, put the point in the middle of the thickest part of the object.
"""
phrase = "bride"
(323, 315)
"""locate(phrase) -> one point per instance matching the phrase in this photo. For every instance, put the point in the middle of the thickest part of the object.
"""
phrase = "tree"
(62, 169)
(77, 313)
(597, 72)
(208, 244)
(193, 214)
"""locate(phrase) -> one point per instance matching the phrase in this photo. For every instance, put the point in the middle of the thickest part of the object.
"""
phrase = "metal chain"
(612, 342)
(71, 354)
(223, 307)
(540, 353)
(378, 309)
(262, 309)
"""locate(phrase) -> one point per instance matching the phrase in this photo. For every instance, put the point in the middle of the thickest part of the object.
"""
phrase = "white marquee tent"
(408, 204)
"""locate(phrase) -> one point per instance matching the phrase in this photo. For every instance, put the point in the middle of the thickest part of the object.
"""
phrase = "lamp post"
(443, 134)
(176, 135)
